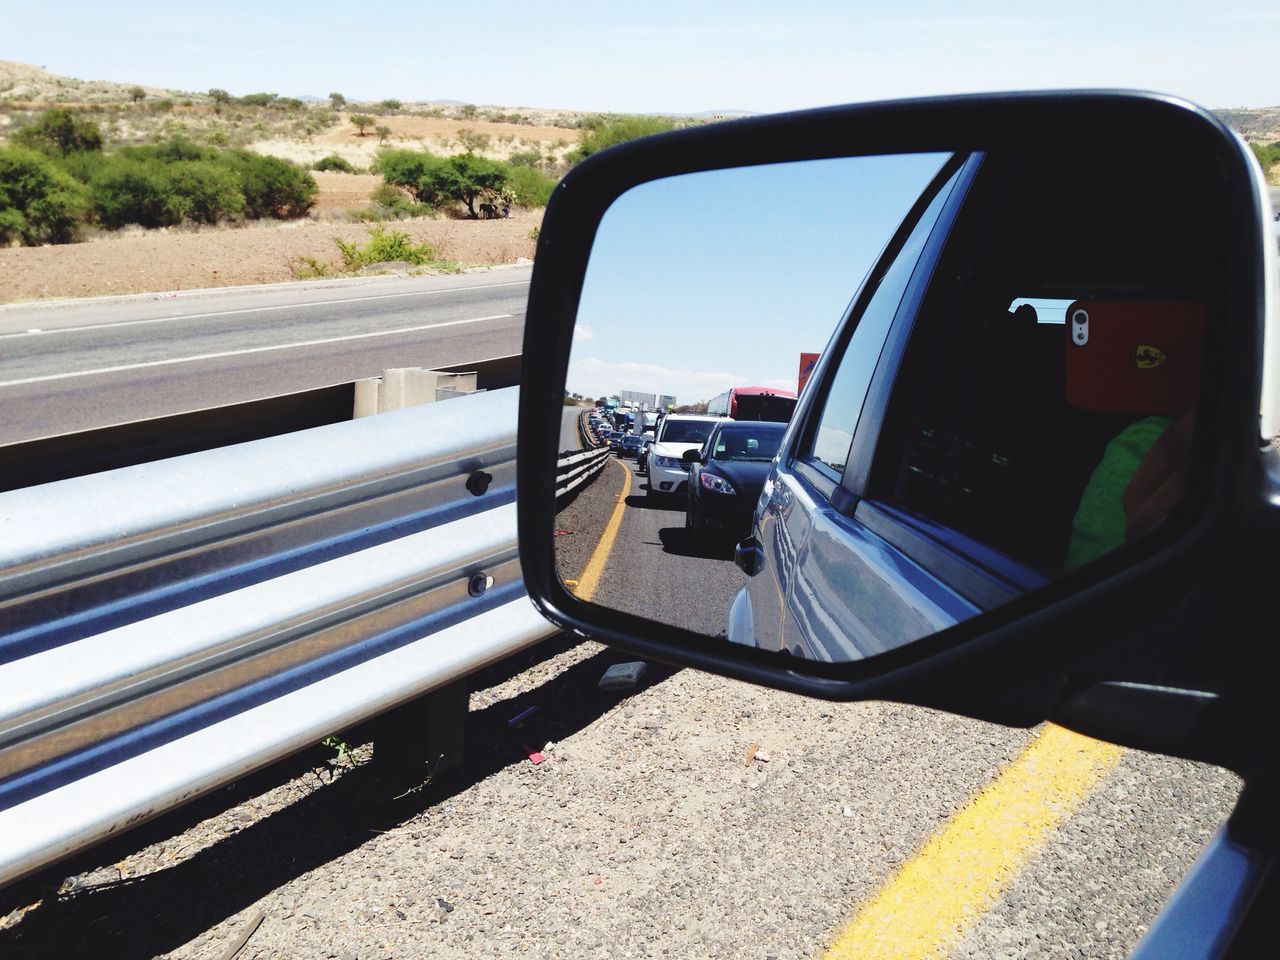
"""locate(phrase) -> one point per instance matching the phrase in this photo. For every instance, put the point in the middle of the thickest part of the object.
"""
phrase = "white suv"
(668, 474)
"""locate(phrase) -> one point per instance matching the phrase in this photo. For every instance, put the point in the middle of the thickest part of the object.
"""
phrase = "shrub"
(600, 133)
(258, 99)
(525, 158)
(308, 268)
(390, 106)
(272, 187)
(333, 162)
(219, 97)
(385, 247)
(1268, 154)
(203, 192)
(162, 106)
(391, 203)
(131, 190)
(38, 202)
(383, 132)
(60, 132)
(174, 149)
(472, 141)
(530, 187)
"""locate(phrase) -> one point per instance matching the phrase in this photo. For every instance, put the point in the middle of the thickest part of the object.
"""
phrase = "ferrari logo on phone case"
(1148, 357)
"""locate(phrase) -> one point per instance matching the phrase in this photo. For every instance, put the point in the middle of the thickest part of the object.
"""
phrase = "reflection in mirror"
(1039, 318)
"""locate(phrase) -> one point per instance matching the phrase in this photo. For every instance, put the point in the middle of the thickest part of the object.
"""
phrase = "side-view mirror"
(993, 392)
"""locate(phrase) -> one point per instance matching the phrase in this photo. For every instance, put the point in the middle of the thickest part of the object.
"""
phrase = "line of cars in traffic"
(716, 465)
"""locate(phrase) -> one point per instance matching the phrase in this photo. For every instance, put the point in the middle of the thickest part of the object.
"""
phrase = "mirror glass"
(831, 407)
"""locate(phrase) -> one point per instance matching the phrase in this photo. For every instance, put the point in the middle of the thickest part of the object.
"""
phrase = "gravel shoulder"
(646, 832)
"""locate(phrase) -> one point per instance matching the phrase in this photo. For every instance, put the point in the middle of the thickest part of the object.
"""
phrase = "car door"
(828, 590)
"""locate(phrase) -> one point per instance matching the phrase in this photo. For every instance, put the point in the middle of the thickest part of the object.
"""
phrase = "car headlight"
(671, 463)
(715, 483)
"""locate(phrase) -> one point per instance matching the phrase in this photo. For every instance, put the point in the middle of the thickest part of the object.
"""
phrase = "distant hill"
(1253, 123)
(24, 83)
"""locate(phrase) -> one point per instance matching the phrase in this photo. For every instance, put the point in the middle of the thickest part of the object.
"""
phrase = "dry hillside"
(295, 130)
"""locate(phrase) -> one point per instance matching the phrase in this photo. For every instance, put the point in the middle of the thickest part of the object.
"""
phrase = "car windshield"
(748, 443)
(687, 431)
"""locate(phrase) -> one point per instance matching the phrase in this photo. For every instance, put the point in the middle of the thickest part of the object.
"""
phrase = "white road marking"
(239, 353)
(278, 306)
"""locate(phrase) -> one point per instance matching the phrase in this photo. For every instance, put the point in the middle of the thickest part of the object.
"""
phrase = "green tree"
(383, 131)
(60, 132)
(390, 106)
(38, 202)
(606, 133)
(272, 187)
(337, 101)
(219, 96)
(405, 168)
(137, 94)
(258, 99)
(465, 178)
(362, 121)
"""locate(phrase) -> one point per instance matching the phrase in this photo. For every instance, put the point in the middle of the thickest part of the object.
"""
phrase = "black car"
(726, 475)
(629, 445)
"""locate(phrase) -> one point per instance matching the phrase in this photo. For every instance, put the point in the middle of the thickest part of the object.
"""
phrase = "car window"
(687, 431)
(999, 421)
(746, 444)
(843, 402)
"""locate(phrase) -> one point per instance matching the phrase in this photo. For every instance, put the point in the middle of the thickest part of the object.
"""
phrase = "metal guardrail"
(168, 627)
(575, 468)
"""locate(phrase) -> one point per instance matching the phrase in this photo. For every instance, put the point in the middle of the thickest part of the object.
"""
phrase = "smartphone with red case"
(1134, 356)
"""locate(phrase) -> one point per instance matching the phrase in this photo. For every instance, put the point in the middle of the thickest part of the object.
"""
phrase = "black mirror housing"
(1074, 649)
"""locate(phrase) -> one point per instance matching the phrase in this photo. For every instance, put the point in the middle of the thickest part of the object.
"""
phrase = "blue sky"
(656, 56)
(712, 280)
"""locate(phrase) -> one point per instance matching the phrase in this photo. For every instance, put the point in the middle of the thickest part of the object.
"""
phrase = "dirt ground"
(343, 191)
(162, 260)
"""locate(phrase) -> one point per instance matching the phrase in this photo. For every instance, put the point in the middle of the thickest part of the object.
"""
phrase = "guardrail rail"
(169, 627)
(575, 468)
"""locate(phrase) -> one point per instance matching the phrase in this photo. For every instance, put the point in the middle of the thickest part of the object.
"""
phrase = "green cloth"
(1098, 527)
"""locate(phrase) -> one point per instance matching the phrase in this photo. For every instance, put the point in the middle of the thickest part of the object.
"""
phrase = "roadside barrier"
(168, 627)
(577, 467)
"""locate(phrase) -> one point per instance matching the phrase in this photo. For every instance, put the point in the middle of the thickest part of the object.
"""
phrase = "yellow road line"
(590, 579)
(937, 896)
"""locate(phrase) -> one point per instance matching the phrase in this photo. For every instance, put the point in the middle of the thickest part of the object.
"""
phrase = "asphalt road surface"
(653, 568)
(75, 365)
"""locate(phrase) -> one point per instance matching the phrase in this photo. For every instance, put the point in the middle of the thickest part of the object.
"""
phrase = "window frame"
(834, 487)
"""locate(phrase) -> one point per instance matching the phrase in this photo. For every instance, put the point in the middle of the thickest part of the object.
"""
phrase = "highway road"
(75, 365)
(653, 560)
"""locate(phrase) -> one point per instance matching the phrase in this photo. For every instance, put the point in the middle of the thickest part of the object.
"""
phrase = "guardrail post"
(401, 387)
(419, 741)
